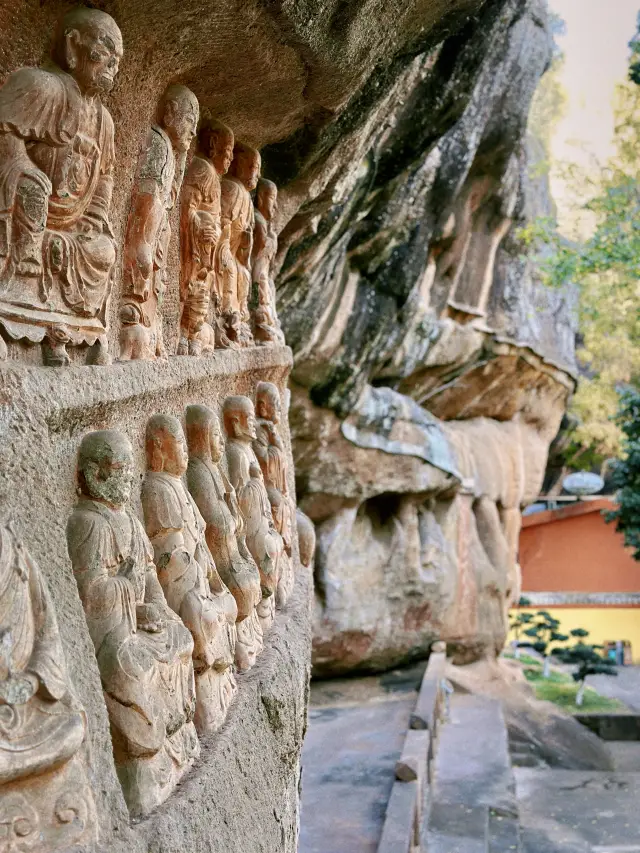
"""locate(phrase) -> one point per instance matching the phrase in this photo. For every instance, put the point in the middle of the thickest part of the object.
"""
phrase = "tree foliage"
(626, 473)
(586, 659)
(605, 266)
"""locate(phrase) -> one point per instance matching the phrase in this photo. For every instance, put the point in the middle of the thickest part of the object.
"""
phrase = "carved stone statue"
(204, 256)
(42, 725)
(271, 455)
(216, 500)
(238, 217)
(263, 540)
(306, 538)
(158, 182)
(56, 178)
(266, 327)
(143, 649)
(187, 572)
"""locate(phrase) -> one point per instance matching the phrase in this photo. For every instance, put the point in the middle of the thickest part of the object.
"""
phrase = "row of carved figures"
(175, 607)
(57, 250)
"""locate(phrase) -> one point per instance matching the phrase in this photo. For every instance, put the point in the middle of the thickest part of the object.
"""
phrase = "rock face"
(431, 368)
(429, 375)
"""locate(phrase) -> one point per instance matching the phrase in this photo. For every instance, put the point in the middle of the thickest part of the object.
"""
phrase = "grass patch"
(561, 689)
(563, 694)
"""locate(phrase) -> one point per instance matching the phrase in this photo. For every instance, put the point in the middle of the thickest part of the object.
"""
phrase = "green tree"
(544, 631)
(586, 659)
(626, 473)
(518, 624)
(606, 268)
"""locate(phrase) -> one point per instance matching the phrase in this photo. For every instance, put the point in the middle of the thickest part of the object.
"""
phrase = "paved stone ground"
(574, 811)
(356, 732)
(624, 686)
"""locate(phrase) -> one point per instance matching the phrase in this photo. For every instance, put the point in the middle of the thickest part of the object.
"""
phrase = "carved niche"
(263, 540)
(46, 803)
(266, 326)
(143, 649)
(158, 182)
(57, 157)
(216, 499)
(204, 242)
(270, 452)
(238, 222)
(187, 572)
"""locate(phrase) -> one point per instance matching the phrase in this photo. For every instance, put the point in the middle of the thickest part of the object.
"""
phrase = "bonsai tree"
(544, 631)
(626, 473)
(587, 660)
(518, 623)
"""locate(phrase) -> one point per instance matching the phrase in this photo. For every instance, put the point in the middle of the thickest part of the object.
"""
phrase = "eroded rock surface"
(432, 368)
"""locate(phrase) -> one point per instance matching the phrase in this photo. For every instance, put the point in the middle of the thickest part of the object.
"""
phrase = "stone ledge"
(55, 389)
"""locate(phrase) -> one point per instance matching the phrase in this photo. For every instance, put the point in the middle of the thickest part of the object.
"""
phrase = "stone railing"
(408, 805)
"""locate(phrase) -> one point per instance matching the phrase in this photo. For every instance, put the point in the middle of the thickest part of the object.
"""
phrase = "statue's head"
(239, 418)
(106, 467)
(267, 198)
(216, 143)
(246, 165)
(268, 402)
(165, 445)
(204, 436)
(88, 44)
(179, 114)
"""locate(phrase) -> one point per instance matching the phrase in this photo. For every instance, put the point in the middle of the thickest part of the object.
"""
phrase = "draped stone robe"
(134, 664)
(216, 499)
(57, 157)
(194, 590)
(45, 731)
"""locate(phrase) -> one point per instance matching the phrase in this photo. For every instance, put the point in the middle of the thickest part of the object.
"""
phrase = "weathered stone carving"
(238, 217)
(271, 455)
(204, 244)
(143, 649)
(160, 172)
(266, 326)
(216, 499)
(187, 572)
(56, 178)
(306, 538)
(263, 540)
(45, 798)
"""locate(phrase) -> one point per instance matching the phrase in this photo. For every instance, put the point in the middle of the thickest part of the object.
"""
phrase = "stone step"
(473, 806)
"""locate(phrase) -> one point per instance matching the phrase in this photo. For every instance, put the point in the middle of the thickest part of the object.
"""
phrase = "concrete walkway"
(574, 811)
(624, 686)
(356, 733)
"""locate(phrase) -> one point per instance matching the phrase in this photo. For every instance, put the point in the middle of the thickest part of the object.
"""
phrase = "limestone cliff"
(432, 368)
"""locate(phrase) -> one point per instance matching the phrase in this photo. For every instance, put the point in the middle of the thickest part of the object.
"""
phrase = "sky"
(596, 56)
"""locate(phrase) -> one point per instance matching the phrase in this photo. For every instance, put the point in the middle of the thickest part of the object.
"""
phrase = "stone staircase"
(473, 794)
(457, 790)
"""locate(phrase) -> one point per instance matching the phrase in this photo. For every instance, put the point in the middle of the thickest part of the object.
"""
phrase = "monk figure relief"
(238, 217)
(143, 649)
(57, 157)
(263, 540)
(266, 327)
(216, 499)
(187, 572)
(204, 242)
(158, 182)
(42, 725)
(271, 454)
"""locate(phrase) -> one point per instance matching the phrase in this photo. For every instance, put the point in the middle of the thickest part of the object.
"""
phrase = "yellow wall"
(603, 623)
